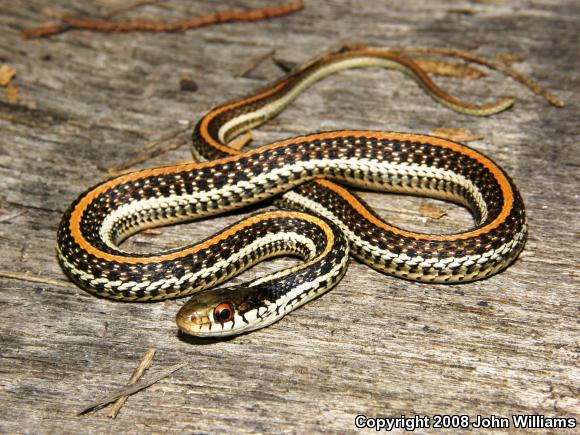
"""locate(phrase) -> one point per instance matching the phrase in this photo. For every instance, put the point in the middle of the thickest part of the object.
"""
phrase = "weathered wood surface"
(375, 345)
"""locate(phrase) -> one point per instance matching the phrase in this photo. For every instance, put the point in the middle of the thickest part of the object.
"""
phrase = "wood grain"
(375, 345)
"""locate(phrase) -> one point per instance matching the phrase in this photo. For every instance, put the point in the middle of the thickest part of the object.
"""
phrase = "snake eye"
(224, 312)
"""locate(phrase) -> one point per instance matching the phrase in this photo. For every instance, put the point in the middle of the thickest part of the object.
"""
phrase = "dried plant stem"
(30, 278)
(147, 155)
(137, 373)
(498, 66)
(73, 23)
(131, 389)
(251, 66)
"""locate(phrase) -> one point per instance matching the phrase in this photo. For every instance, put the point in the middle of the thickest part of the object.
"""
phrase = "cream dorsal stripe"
(383, 173)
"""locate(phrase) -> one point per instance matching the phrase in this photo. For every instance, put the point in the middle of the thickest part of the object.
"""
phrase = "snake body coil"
(329, 218)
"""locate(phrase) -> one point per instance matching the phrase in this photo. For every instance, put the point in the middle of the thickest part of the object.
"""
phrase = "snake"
(319, 220)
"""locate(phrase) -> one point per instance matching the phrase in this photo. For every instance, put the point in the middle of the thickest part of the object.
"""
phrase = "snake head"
(226, 311)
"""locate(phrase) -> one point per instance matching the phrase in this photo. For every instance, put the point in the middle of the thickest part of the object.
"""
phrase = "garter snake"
(324, 221)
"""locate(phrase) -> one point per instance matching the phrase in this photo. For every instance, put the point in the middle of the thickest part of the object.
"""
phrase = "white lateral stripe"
(376, 171)
(402, 258)
(285, 237)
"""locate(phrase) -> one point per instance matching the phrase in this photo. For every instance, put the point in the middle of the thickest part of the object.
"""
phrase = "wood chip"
(448, 69)
(137, 373)
(151, 232)
(432, 212)
(130, 390)
(456, 134)
(12, 93)
(6, 75)
(186, 83)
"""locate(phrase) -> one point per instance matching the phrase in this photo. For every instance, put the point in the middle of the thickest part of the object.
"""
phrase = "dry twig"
(73, 23)
(167, 136)
(11, 216)
(31, 278)
(129, 390)
(498, 66)
(137, 373)
(147, 155)
(251, 66)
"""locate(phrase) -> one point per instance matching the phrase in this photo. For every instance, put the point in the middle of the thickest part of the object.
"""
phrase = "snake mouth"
(199, 324)
(193, 323)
